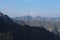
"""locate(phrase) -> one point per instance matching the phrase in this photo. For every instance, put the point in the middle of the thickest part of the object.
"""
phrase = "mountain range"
(51, 24)
(29, 18)
(10, 30)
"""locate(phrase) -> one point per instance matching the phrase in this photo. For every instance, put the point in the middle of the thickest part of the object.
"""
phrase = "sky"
(44, 8)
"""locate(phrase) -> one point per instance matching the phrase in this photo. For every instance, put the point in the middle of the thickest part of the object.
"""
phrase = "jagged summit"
(1, 14)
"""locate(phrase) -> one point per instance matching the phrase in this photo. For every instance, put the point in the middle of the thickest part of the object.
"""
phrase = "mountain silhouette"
(25, 32)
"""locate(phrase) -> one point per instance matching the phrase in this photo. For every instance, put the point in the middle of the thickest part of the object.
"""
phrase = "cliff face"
(18, 32)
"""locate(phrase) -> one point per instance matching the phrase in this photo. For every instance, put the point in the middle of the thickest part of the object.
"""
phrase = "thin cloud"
(4, 8)
(32, 13)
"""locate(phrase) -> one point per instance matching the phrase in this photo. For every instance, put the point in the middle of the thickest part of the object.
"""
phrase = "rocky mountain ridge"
(14, 31)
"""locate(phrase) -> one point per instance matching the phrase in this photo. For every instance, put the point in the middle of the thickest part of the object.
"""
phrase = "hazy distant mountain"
(48, 23)
(28, 17)
(35, 21)
(9, 30)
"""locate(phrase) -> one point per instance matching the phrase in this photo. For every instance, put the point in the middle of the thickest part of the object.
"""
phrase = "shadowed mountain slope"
(25, 32)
